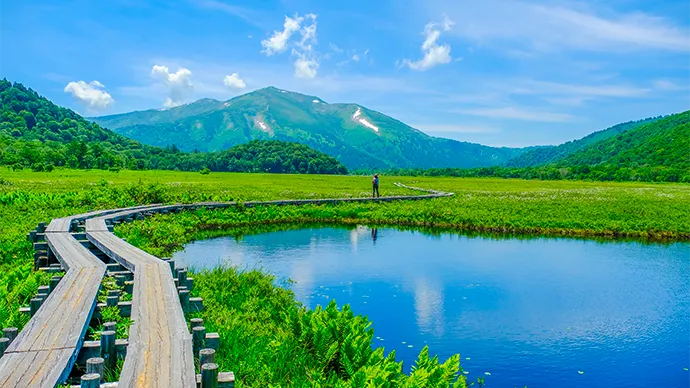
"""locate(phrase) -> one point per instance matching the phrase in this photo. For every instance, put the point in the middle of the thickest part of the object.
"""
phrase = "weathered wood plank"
(160, 351)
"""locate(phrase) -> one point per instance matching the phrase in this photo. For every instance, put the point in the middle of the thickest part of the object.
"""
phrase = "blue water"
(528, 312)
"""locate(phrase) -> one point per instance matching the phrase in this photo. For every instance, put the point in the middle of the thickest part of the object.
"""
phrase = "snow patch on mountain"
(364, 121)
(263, 125)
(316, 101)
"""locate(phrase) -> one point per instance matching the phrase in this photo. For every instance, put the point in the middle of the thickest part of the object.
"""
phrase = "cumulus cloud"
(233, 81)
(305, 67)
(434, 54)
(306, 62)
(278, 42)
(91, 94)
(179, 84)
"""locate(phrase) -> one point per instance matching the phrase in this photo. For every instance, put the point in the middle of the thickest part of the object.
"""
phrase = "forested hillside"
(37, 134)
(665, 142)
(274, 156)
(657, 151)
(548, 155)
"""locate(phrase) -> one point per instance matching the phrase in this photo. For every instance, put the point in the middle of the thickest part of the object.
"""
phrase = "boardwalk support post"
(95, 365)
(194, 322)
(10, 333)
(91, 380)
(184, 299)
(4, 343)
(108, 352)
(209, 375)
(207, 356)
(110, 326)
(54, 282)
(198, 339)
(34, 305)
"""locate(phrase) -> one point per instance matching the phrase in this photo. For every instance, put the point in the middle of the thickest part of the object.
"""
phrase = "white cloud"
(558, 26)
(233, 81)
(278, 42)
(179, 84)
(306, 62)
(355, 58)
(434, 54)
(91, 94)
(517, 114)
(304, 67)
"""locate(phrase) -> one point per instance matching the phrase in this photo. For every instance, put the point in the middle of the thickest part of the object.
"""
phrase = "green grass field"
(497, 206)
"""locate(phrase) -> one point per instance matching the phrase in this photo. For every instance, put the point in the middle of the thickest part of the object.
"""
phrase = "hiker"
(375, 186)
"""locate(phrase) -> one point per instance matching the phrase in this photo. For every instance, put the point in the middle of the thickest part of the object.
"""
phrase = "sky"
(495, 72)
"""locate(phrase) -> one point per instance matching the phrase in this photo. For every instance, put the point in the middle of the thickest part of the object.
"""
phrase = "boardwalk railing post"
(209, 375)
(108, 352)
(91, 380)
(95, 365)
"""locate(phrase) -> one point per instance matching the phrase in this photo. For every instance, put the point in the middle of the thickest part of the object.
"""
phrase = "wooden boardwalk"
(46, 349)
(160, 345)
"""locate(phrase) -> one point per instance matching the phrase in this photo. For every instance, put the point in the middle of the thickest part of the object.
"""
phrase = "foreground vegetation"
(488, 205)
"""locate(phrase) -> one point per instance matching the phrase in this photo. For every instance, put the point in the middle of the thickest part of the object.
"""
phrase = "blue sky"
(497, 72)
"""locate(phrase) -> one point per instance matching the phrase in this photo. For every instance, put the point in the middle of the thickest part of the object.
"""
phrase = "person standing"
(375, 186)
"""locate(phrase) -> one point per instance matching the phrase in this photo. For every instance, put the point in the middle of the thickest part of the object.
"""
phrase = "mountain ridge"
(355, 135)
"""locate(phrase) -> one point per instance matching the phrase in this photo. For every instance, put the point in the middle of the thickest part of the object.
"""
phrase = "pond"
(537, 312)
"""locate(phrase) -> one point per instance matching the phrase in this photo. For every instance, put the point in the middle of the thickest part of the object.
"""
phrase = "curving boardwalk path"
(159, 353)
(46, 349)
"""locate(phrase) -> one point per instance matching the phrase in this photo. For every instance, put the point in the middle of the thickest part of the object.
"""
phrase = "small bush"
(205, 171)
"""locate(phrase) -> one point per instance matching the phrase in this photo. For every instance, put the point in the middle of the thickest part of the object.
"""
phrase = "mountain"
(357, 136)
(38, 134)
(547, 155)
(660, 143)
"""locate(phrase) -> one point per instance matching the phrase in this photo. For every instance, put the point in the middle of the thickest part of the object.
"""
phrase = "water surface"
(537, 313)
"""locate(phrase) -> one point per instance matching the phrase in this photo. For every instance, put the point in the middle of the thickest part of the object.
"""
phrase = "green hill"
(356, 136)
(661, 143)
(548, 155)
(38, 134)
(276, 157)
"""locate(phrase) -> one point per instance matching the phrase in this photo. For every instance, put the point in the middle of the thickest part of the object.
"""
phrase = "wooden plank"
(63, 224)
(45, 350)
(34, 369)
(160, 346)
